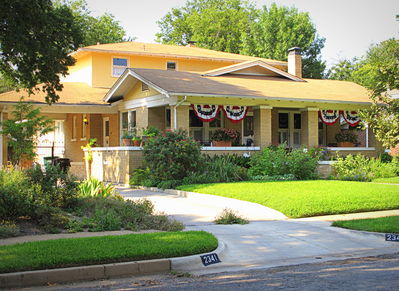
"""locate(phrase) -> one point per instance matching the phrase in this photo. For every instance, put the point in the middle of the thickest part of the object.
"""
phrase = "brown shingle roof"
(72, 93)
(184, 83)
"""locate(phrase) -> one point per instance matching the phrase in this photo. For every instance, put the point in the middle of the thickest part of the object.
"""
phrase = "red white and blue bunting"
(329, 117)
(351, 117)
(235, 113)
(206, 113)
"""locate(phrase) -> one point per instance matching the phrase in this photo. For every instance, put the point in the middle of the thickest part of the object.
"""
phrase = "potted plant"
(149, 132)
(346, 139)
(136, 141)
(127, 138)
(223, 137)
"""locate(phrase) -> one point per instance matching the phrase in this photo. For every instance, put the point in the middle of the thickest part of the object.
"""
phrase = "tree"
(35, 41)
(379, 72)
(279, 28)
(236, 26)
(102, 29)
(343, 70)
(22, 129)
(213, 24)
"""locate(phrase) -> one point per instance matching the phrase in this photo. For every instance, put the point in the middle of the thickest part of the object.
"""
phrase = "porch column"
(263, 126)
(141, 118)
(180, 116)
(310, 127)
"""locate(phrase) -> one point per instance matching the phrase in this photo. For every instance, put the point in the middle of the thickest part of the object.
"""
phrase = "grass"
(392, 180)
(388, 224)
(106, 249)
(308, 198)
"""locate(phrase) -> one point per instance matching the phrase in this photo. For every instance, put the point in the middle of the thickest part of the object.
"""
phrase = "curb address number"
(391, 237)
(210, 259)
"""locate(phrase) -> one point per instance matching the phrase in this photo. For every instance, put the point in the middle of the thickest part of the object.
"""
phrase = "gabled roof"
(153, 49)
(71, 94)
(174, 83)
(247, 68)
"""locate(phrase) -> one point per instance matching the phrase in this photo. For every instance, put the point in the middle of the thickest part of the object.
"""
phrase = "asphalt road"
(371, 273)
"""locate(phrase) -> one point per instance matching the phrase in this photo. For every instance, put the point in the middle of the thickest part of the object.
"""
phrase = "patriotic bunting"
(206, 113)
(235, 113)
(329, 117)
(351, 117)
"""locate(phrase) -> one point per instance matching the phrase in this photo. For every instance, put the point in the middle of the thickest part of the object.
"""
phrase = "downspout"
(175, 111)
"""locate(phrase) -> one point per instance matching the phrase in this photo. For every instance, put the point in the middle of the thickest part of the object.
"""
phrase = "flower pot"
(221, 143)
(126, 141)
(346, 144)
(136, 143)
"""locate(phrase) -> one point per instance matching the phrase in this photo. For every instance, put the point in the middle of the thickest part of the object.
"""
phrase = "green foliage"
(346, 136)
(92, 143)
(36, 39)
(229, 216)
(151, 131)
(276, 29)
(95, 188)
(70, 252)
(52, 219)
(8, 229)
(52, 187)
(16, 195)
(361, 168)
(172, 155)
(22, 129)
(102, 29)
(343, 70)
(286, 177)
(236, 26)
(276, 161)
(138, 177)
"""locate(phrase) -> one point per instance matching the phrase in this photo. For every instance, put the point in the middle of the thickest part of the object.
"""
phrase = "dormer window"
(118, 66)
(171, 66)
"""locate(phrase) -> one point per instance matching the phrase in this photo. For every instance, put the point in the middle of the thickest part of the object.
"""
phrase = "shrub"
(95, 188)
(52, 187)
(16, 195)
(361, 168)
(229, 216)
(171, 156)
(286, 177)
(8, 229)
(277, 161)
(52, 219)
(139, 176)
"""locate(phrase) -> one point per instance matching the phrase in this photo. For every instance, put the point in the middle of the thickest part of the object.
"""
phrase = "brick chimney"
(295, 62)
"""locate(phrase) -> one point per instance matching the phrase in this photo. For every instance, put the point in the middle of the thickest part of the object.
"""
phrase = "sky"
(349, 26)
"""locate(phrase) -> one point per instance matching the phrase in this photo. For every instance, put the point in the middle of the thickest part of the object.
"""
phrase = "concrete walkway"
(269, 240)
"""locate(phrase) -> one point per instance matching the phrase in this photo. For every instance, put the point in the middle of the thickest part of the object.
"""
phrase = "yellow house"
(129, 86)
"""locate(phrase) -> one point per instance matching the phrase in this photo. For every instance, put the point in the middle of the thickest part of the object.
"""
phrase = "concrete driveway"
(269, 240)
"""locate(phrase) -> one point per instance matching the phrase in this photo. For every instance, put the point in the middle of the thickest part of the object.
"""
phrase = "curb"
(103, 271)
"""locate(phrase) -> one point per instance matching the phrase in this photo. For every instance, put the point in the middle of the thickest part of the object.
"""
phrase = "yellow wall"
(136, 92)
(81, 71)
(102, 66)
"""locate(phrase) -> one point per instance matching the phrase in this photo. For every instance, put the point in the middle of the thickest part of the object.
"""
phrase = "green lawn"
(308, 198)
(106, 249)
(388, 224)
(393, 180)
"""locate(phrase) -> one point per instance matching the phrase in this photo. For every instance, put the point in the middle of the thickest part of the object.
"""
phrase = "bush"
(286, 177)
(171, 156)
(16, 195)
(138, 177)
(8, 229)
(229, 216)
(95, 188)
(277, 161)
(361, 168)
(52, 187)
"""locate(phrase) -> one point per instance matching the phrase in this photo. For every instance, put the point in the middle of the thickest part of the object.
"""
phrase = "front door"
(106, 131)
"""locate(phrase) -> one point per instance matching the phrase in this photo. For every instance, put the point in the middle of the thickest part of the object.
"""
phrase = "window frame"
(112, 65)
(167, 62)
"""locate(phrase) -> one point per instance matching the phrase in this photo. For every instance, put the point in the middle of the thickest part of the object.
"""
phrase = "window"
(248, 125)
(297, 121)
(217, 122)
(194, 120)
(168, 118)
(118, 66)
(132, 120)
(283, 120)
(144, 87)
(171, 66)
(74, 127)
(85, 122)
